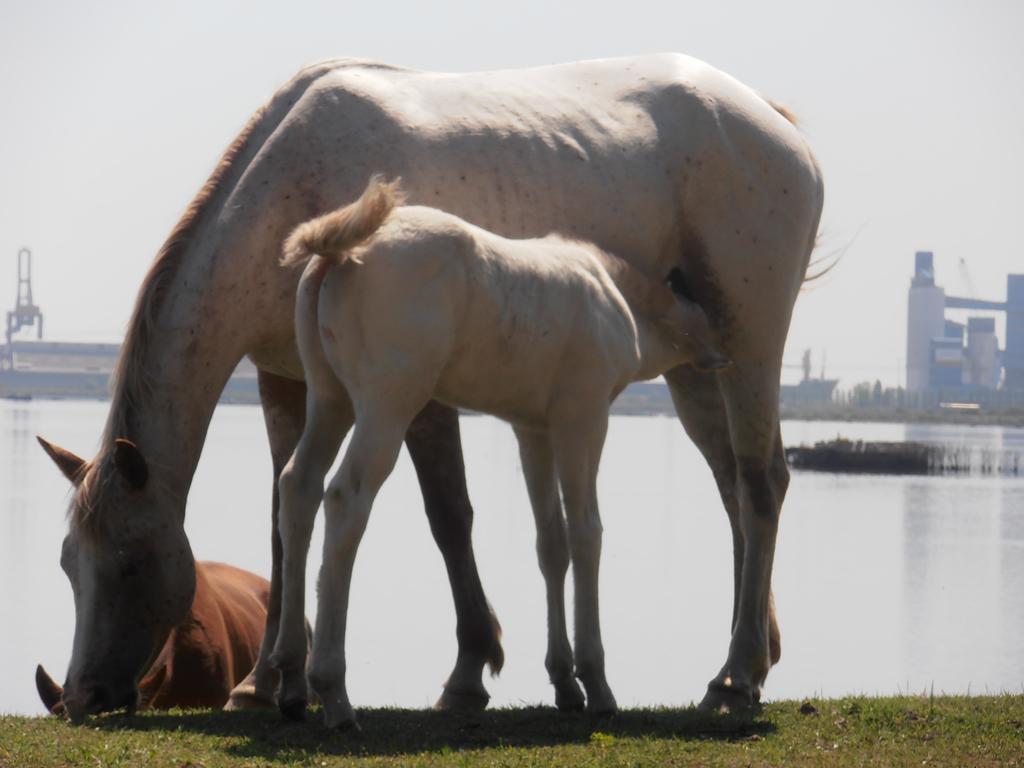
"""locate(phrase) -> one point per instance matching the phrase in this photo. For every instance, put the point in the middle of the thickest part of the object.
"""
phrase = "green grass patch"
(945, 731)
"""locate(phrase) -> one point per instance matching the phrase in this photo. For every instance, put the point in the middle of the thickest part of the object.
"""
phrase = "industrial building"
(947, 356)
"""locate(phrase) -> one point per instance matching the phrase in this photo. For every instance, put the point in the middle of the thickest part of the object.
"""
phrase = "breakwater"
(905, 458)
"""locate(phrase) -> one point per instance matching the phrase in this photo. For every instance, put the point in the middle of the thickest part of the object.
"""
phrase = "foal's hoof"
(463, 701)
(245, 696)
(294, 710)
(341, 718)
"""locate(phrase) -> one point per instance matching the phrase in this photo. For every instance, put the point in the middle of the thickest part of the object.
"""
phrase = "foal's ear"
(130, 463)
(68, 463)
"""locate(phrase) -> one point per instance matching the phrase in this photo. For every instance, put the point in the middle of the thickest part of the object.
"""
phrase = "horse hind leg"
(435, 448)
(701, 409)
(301, 489)
(553, 558)
(577, 444)
(751, 399)
(369, 459)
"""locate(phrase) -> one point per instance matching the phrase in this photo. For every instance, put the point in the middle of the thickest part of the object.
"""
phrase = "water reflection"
(1011, 586)
(882, 584)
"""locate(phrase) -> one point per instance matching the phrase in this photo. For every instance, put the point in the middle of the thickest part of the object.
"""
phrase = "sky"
(115, 112)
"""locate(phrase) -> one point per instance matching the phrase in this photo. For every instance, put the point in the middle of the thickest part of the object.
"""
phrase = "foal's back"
(474, 319)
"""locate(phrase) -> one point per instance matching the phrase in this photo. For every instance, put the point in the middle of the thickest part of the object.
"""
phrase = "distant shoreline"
(1004, 418)
(653, 399)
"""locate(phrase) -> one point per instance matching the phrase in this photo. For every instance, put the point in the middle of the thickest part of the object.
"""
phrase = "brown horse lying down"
(208, 653)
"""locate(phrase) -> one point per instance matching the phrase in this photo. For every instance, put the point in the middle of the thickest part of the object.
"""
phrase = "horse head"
(131, 572)
(688, 328)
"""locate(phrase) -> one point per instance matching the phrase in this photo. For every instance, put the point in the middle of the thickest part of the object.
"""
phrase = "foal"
(404, 304)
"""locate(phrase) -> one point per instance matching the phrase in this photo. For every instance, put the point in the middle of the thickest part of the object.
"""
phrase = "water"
(883, 585)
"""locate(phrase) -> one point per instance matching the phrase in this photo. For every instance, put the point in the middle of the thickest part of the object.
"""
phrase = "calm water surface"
(882, 584)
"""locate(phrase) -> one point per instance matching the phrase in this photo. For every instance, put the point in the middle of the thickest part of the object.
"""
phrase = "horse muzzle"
(94, 698)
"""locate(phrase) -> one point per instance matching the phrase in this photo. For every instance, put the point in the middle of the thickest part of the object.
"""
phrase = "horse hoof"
(294, 710)
(349, 726)
(602, 708)
(246, 697)
(462, 701)
(725, 701)
(569, 697)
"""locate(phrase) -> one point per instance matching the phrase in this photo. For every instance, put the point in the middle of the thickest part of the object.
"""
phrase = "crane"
(25, 313)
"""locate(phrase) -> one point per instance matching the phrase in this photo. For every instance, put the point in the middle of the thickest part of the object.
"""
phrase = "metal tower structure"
(25, 313)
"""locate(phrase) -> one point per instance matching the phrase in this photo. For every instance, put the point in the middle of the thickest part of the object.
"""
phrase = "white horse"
(412, 304)
(663, 160)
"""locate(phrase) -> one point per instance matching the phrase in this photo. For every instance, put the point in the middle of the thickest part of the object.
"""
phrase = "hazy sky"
(114, 113)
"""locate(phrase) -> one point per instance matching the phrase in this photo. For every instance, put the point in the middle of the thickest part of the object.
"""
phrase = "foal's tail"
(334, 235)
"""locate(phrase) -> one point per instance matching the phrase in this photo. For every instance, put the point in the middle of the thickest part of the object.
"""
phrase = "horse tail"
(334, 235)
(785, 111)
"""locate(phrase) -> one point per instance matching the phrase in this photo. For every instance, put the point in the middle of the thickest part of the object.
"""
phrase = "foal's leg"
(301, 489)
(436, 451)
(369, 459)
(701, 410)
(577, 444)
(553, 556)
(284, 412)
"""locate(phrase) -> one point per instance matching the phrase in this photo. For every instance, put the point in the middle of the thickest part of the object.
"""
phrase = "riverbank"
(940, 731)
(1013, 417)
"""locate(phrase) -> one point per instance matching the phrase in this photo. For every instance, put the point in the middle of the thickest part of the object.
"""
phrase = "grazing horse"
(205, 656)
(543, 333)
(662, 160)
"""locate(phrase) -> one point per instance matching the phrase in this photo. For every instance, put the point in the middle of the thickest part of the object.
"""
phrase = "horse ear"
(150, 687)
(69, 464)
(48, 690)
(130, 463)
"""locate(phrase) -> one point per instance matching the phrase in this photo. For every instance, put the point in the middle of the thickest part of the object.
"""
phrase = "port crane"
(25, 313)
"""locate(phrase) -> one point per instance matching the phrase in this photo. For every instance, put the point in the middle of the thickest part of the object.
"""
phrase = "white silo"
(981, 363)
(926, 306)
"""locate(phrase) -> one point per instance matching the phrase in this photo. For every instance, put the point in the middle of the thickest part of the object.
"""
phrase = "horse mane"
(129, 380)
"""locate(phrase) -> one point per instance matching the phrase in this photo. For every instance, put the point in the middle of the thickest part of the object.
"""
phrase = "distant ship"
(72, 370)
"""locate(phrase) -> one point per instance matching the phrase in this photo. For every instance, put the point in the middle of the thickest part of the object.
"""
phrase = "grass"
(903, 731)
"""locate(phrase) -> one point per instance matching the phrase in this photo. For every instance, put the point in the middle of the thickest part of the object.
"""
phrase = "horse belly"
(513, 382)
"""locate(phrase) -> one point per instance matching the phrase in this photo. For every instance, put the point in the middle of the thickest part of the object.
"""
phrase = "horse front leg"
(435, 447)
(284, 413)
